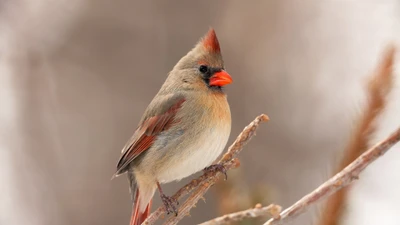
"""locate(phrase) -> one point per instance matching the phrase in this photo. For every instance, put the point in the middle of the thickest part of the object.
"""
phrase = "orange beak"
(220, 78)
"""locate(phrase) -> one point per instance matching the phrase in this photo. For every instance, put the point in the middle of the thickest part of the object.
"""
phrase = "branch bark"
(340, 180)
(258, 211)
(204, 182)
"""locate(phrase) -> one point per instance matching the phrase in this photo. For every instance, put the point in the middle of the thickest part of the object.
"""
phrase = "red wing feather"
(147, 133)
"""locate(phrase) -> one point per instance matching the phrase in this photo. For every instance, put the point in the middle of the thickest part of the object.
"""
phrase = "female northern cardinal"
(183, 130)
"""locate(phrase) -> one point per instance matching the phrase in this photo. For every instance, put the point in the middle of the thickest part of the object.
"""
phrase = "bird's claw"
(169, 204)
(218, 168)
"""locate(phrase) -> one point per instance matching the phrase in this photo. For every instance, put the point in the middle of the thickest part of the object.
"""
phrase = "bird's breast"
(191, 156)
(206, 122)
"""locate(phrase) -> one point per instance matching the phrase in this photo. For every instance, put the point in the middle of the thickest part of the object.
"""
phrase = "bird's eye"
(203, 69)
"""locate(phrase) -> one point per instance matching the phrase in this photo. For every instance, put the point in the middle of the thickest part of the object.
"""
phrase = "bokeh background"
(75, 77)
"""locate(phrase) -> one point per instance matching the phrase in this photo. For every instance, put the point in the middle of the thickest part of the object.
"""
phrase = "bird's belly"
(195, 157)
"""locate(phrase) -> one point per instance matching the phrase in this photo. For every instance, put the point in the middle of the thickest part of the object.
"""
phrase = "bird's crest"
(210, 41)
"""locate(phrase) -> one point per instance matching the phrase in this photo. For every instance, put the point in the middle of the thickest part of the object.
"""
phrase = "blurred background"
(76, 76)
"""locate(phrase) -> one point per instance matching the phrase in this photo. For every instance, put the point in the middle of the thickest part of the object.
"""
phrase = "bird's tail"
(138, 217)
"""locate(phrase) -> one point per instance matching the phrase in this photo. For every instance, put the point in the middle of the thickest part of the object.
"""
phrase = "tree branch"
(379, 88)
(340, 180)
(204, 182)
(258, 211)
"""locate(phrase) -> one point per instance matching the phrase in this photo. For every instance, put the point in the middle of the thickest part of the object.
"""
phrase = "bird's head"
(202, 67)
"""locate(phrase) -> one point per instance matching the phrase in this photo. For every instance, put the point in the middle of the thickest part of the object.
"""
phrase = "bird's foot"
(217, 168)
(169, 204)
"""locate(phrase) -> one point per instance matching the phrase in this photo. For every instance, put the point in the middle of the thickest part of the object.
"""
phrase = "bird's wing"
(158, 117)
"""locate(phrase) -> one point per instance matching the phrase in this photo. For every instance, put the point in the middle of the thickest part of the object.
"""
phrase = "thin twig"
(258, 211)
(340, 180)
(378, 89)
(207, 180)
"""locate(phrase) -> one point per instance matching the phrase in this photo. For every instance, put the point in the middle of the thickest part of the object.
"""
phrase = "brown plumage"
(183, 130)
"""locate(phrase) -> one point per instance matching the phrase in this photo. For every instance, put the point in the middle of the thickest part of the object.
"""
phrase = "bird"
(182, 131)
